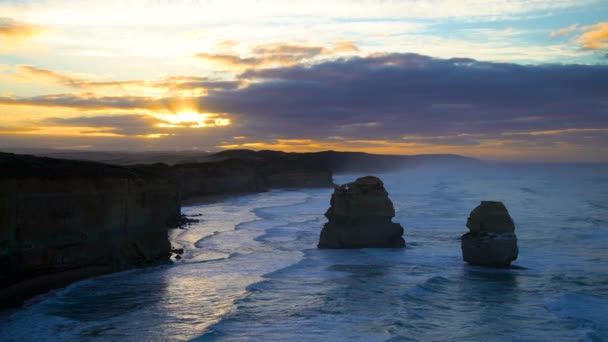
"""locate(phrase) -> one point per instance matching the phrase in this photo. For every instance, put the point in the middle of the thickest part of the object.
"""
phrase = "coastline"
(66, 220)
(61, 218)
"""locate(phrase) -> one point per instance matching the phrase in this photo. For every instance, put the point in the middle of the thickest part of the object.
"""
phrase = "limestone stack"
(491, 239)
(360, 216)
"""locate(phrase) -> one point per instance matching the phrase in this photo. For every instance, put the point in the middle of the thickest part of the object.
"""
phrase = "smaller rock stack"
(360, 216)
(491, 240)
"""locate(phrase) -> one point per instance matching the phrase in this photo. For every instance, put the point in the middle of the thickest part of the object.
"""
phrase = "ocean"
(251, 270)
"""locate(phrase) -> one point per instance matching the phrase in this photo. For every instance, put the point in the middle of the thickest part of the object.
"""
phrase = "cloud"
(147, 125)
(171, 83)
(278, 54)
(227, 44)
(564, 31)
(13, 29)
(163, 13)
(131, 124)
(345, 46)
(388, 94)
(385, 95)
(595, 37)
(561, 131)
(90, 101)
(383, 102)
(415, 94)
(288, 51)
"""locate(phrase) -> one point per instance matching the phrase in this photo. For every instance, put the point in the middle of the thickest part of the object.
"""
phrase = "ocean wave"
(585, 309)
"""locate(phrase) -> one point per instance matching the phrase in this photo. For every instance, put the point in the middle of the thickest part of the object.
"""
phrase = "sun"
(192, 119)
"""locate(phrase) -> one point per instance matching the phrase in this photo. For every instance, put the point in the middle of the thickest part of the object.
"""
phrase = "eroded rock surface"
(491, 239)
(61, 221)
(360, 216)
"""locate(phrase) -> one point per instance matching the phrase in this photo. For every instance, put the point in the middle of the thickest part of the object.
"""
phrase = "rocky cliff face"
(64, 220)
(491, 239)
(239, 175)
(360, 216)
(225, 177)
(61, 221)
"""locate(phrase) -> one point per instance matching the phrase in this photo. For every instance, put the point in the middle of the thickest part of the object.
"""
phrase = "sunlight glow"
(152, 135)
(192, 119)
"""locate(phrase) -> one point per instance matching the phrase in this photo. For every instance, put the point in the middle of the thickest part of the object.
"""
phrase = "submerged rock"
(360, 216)
(491, 240)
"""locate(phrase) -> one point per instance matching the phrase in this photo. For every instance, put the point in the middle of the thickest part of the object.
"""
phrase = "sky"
(518, 80)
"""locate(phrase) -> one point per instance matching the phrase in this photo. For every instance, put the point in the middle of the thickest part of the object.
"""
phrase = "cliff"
(62, 221)
(337, 162)
(243, 174)
(65, 220)
(348, 162)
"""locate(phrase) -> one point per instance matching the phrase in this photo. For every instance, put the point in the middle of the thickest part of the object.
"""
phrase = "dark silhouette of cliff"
(347, 162)
(335, 161)
(65, 220)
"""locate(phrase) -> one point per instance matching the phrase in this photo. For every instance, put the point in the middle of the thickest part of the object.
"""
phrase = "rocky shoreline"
(63, 220)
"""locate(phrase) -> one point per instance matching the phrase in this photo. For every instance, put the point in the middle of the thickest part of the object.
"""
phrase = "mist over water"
(251, 270)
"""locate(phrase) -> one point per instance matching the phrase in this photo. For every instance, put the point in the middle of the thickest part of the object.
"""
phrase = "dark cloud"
(130, 124)
(414, 94)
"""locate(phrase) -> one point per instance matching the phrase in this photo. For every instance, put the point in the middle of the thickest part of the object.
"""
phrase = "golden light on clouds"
(71, 131)
(152, 135)
(596, 36)
(342, 75)
(14, 29)
(274, 54)
(561, 131)
(192, 119)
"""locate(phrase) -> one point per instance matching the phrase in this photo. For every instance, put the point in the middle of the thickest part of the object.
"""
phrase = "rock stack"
(491, 240)
(360, 216)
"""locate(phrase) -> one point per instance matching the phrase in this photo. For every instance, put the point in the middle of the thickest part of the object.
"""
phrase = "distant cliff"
(336, 162)
(347, 162)
(61, 221)
(237, 174)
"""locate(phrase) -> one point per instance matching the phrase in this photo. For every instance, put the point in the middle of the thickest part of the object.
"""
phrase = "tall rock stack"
(360, 216)
(491, 240)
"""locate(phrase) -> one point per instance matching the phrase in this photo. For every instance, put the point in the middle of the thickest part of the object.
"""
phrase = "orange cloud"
(278, 54)
(75, 131)
(227, 44)
(564, 31)
(14, 29)
(138, 125)
(345, 46)
(560, 131)
(596, 36)
(168, 84)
